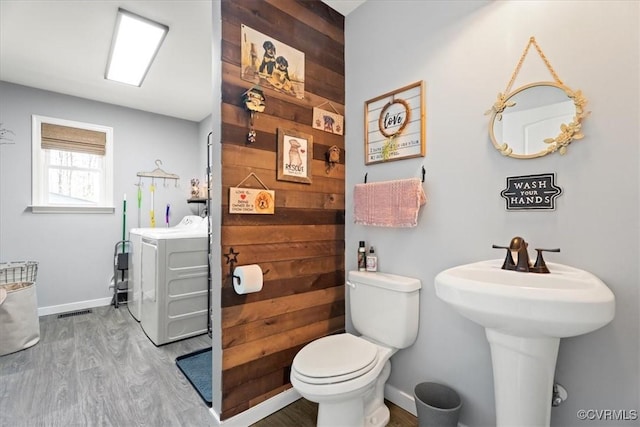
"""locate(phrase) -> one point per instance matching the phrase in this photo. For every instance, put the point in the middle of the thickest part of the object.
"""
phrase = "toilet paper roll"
(247, 279)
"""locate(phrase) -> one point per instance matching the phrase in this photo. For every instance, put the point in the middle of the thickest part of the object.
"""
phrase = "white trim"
(72, 209)
(400, 398)
(37, 161)
(260, 411)
(80, 305)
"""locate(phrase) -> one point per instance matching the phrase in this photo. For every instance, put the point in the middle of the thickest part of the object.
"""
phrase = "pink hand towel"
(389, 203)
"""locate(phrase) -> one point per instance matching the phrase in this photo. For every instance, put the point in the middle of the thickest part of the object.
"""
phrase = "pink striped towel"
(389, 203)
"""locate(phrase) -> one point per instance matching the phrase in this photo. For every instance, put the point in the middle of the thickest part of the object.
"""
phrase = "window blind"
(65, 138)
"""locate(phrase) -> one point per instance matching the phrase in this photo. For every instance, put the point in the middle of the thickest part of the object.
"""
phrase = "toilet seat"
(335, 359)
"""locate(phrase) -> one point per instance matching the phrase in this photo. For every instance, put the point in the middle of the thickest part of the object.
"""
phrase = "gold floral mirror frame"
(559, 138)
(506, 102)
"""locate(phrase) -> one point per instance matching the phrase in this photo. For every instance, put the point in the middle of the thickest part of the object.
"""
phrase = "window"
(72, 167)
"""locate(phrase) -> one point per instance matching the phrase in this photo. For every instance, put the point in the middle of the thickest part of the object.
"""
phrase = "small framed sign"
(531, 192)
(394, 125)
(294, 156)
(328, 121)
(252, 200)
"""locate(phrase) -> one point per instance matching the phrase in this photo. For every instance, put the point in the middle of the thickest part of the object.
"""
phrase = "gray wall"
(75, 251)
(466, 51)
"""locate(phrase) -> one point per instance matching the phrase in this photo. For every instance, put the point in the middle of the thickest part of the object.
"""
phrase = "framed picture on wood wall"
(270, 63)
(294, 156)
(394, 125)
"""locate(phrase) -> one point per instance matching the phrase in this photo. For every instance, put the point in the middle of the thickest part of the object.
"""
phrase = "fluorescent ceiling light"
(135, 43)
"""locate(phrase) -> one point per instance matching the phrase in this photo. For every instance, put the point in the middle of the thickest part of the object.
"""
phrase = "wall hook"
(232, 259)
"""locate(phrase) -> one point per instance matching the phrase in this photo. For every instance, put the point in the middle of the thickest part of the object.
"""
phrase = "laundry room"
(75, 247)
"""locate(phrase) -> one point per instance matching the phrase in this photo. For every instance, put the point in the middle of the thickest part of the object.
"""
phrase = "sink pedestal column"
(523, 373)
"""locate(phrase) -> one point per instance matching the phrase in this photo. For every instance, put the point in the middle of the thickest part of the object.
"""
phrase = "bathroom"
(465, 52)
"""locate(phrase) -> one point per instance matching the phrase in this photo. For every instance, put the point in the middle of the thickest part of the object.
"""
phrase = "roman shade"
(65, 138)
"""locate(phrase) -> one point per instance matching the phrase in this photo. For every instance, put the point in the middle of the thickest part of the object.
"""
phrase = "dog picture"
(268, 59)
(264, 202)
(295, 159)
(280, 76)
(278, 66)
(328, 123)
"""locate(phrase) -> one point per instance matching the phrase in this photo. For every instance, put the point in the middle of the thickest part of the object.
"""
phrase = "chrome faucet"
(523, 264)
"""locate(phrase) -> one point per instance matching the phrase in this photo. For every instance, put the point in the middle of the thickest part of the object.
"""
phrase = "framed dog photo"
(294, 156)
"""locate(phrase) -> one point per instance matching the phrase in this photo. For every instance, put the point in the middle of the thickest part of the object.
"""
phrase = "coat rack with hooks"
(158, 172)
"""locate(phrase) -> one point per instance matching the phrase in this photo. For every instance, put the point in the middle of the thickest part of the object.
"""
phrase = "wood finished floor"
(100, 369)
(302, 413)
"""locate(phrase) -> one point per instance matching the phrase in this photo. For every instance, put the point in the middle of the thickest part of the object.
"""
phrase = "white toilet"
(345, 374)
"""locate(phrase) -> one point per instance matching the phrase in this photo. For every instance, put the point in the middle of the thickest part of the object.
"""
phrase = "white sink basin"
(563, 303)
(525, 315)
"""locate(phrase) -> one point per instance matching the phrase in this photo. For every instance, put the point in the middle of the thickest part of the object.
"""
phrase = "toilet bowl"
(344, 373)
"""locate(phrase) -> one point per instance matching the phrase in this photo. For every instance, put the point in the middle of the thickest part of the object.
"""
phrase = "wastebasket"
(437, 405)
(19, 323)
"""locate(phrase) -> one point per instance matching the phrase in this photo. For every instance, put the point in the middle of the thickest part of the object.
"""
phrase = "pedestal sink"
(525, 315)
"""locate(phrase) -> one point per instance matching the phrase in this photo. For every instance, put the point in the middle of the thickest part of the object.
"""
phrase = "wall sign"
(394, 125)
(294, 156)
(327, 121)
(531, 192)
(251, 200)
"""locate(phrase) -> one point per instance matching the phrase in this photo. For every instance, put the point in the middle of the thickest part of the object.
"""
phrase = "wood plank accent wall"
(301, 246)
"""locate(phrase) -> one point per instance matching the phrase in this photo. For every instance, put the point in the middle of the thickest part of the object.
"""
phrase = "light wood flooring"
(100, 369)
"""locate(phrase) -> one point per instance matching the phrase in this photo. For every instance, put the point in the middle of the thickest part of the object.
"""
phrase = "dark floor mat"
(196, 367)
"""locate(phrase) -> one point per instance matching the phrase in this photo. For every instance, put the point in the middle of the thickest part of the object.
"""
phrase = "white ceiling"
(345, 7)
(62, 46)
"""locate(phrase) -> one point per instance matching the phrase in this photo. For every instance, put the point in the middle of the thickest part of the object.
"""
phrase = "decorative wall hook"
(254, 102)
(232, 258)
(333, 156)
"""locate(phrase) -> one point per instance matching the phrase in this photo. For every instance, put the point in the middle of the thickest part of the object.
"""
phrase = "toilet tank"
(385, 307)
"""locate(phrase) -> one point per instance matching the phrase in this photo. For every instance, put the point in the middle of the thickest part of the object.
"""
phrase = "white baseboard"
(260, 411)
(80, 305)
(400, 398)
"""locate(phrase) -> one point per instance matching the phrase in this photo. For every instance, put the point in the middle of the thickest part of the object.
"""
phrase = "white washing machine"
(173, 284)
(134, 292)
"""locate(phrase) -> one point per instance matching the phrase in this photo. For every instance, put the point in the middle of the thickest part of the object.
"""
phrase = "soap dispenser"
(372, 260)
(362, 259)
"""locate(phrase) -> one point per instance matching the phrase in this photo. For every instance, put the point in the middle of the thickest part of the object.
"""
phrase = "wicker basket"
(18, 271)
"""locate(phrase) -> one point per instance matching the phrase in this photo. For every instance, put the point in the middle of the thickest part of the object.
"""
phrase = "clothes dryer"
(134, 292)
(173, 282)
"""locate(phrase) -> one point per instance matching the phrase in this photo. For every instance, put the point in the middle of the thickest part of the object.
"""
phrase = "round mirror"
(536, 119)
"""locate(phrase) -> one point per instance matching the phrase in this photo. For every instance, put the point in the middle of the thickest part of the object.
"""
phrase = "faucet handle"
(540, 266)
(509, 263)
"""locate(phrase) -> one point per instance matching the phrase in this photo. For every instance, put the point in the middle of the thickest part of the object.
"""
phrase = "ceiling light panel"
(135, 43)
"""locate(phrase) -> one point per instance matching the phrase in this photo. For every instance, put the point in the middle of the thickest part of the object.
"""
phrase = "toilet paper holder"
(233, 276)
(247, 279)
(232, 259)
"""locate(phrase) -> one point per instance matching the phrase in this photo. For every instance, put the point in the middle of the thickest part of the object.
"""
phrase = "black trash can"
(437, 405)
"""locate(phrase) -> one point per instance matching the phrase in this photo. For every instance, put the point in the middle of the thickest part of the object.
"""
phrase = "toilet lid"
(335, 358)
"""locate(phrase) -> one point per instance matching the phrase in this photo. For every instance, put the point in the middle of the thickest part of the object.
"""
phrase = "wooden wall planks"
(301, 247)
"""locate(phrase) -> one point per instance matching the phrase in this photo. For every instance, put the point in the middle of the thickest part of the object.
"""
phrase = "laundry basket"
(18, 271)
(19, 323)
